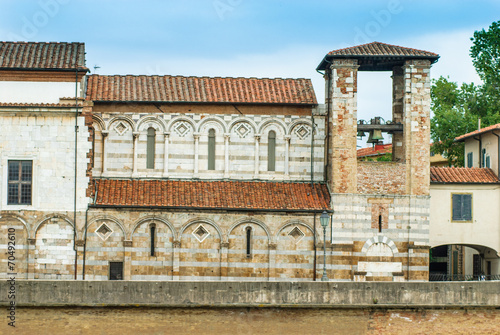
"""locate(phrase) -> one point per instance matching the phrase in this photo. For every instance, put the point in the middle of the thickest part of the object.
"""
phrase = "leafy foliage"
(457, 109)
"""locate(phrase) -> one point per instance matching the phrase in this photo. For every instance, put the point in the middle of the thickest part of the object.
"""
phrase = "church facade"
(198, 178)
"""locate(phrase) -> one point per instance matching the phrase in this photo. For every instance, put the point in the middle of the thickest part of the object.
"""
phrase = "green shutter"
(461, 207)
(150, 155)
(211, 149)
(466, 207)
(271, 151)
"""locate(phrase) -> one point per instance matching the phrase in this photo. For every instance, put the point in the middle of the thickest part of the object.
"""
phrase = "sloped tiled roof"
(236, 195)
(379, 149)
(200, 90)
(477, 132)
(387, 56)
(455, 175)
(42, 56)
(381, 49)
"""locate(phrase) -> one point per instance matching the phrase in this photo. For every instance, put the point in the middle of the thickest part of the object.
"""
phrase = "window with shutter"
(461, 207)
(150, 155)
(470, 162)
(211, 149)
(271, 151)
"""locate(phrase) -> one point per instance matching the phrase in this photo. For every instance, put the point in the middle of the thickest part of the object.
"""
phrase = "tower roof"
(377, 56)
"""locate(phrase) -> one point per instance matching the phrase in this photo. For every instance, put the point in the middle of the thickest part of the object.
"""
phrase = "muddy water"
(220, 321)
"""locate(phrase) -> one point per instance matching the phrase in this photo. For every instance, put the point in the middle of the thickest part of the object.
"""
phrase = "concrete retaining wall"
(257, 294)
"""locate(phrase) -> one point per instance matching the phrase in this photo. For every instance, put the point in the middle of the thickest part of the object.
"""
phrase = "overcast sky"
(253, 38)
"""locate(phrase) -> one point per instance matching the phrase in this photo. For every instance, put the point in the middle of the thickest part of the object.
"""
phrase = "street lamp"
(324, 218)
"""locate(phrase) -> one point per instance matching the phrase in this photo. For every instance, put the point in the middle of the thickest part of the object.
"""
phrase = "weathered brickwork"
(381, 178)
(417, 104)
(342, 125)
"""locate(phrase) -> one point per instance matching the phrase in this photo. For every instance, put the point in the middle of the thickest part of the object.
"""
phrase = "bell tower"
(381, 209)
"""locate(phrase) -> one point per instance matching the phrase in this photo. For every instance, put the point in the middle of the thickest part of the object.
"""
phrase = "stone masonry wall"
(342, 156)
(381, 178)
(363, 251)
(181, 145)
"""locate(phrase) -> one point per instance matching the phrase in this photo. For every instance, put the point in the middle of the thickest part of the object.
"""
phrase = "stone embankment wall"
(253, 294)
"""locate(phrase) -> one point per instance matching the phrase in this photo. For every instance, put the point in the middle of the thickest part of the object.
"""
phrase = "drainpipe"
(312, 149)
(328, 112)
(85, 243)
(480, 151)
(314, 265)
(76, 162)
(498, 153)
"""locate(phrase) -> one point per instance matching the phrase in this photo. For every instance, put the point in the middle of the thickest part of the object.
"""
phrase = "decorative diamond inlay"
(242, 130)
(104, 232)
(121, 128)
(181, 128)
(200, 233)
(296, 234)
(302, 131)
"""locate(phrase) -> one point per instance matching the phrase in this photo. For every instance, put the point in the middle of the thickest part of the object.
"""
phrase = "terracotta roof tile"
(477, 132)
(379, 149)
(42, 56)
(200, 90)
(212, 194)
(381, 49)
(463, 175)
(387, 56)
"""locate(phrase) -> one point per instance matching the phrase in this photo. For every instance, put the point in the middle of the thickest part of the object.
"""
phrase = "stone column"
(226, 155)
(176, 246)
(134, 163)
(196, 148)
(104, 161)
(224, 265)
(416, 105)
(272, 261)
(165, 155)
(398, 86)
(31, 258)
(79, 247)
(342, 174)
(287, 156)
(256, 172)
(127, 260)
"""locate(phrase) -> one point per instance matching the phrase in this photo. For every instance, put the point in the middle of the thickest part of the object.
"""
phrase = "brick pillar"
(342, 124)
(127, 260)
(272, 261)
(31, 258)
(176, 259)
(224, 246)
(398, 85)
(417, 96)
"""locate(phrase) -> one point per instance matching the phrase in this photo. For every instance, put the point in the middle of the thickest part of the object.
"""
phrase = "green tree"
(457, 109)
(452, 118)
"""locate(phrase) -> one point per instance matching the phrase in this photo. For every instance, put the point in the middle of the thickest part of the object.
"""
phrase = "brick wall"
(381, 178)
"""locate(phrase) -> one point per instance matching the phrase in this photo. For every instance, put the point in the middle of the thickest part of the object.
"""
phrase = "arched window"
(271, 151)
(152, 231)
(249, 241)
(92, 129)
(150, 155)
(211, 149)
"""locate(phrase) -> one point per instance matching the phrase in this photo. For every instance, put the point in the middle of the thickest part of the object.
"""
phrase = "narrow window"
(115, 270)
(488, 161)
(483, 157)
(461, 207)
(380, 223)
(470, 162)
(92, 129)
(19, 189)
(211, 149)
(150, 156)
(271, 151)
(249, 241)
(152, 230)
